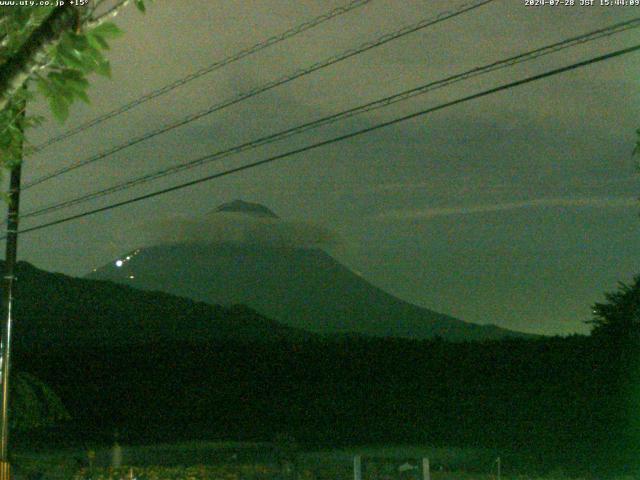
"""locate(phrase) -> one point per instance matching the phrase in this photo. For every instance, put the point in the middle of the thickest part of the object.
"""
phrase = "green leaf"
(59, 87)
(44, 87)
(75, 88)
(57, 79)
(70, 58)
(104, 68)
(77, 85)
(92, 58)
(85, 61)
(82, 96)
(73, 75)
(140, 6)
(59, 107)
(79, 42)
(107, 30)
(97, 42)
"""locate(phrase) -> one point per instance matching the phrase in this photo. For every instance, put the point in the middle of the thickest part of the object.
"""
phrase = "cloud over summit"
(232, 227)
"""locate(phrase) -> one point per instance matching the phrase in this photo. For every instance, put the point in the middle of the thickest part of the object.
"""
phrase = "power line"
(377, 104)
(265, 87)
(313, 146)
(303, 27)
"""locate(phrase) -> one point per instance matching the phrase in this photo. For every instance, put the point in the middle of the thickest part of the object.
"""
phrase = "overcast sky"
(517, 209)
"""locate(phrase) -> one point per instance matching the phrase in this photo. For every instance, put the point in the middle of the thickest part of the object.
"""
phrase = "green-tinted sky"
(517, 209)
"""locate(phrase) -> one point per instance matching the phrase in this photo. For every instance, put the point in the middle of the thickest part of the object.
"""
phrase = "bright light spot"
(128, 257)
(131, 277)
(119, 263)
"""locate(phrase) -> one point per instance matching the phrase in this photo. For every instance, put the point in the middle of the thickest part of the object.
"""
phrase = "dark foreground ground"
(262, 461)
(544, 405)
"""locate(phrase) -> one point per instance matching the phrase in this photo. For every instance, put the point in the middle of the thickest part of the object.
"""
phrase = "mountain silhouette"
(303, 287)
(55, 310)
(240, 206)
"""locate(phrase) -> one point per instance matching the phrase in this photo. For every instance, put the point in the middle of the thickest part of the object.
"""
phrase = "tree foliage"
(75, 56)
(56, 48)
(34, 404)
(619, 317)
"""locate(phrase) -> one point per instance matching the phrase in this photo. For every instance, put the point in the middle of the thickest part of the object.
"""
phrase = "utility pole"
(11, 250)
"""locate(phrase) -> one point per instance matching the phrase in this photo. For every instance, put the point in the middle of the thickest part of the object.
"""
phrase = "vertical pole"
(357, 467)
(426, 472)
(499, 468)
(7, 309)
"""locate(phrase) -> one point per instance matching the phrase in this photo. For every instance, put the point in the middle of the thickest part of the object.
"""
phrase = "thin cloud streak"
(428, 213)
(466, 184)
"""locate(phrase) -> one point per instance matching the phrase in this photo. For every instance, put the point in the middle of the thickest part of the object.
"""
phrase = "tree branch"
(110, 13)
(16, 71)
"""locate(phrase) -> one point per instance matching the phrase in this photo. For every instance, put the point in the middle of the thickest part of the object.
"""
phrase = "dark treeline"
(161, 368)
(562, 401)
